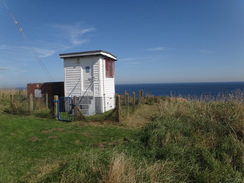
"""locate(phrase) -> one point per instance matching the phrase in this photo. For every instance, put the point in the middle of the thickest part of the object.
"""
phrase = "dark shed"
(38, 90)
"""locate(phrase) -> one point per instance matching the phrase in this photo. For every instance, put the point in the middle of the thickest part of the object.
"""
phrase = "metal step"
(87, 105)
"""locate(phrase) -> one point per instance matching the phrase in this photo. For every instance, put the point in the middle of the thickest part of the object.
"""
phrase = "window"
(87, 69)
(109, 68)
(38, 93)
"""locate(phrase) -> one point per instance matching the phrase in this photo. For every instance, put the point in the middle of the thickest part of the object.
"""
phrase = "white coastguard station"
(90, 77)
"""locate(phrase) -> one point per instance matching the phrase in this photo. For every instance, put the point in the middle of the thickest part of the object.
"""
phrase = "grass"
(203, 139)
(65, 116)
(164, 140)
(19, 103)
(28, 141)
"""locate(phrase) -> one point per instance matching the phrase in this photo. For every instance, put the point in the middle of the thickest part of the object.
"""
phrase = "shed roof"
(88, 53)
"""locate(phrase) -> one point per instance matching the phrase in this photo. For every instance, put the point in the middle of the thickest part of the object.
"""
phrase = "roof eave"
(88, 53)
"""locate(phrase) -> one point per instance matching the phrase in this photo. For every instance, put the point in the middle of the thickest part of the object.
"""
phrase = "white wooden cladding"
(72, 82)
(86, 76)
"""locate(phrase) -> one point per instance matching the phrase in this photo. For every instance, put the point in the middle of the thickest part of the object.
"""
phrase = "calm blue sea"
(182, 89)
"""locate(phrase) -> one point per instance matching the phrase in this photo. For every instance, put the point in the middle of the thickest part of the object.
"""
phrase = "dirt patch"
(99, 145)
(45, 131)
(33, 139)
(57, 129)
(82, 125)
(78, 142)
(53, 137)
(52, 130)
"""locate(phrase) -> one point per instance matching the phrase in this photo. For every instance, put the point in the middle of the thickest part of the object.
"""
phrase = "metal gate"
(65, 109)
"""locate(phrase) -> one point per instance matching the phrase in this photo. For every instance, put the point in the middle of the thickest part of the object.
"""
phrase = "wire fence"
(89, 109)
(118, 109)
(17, 102)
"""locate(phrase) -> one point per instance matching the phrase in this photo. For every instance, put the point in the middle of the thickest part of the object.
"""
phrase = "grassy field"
(164, 140)
(30, 142)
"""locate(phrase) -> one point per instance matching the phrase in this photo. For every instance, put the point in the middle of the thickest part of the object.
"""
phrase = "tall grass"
(5, 94)
(104, 167)
(182, 140)
(173, 140)
(18, 104)
(128, 169)
(204, 138)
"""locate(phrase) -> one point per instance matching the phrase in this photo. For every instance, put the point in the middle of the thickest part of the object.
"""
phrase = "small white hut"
(90, 77)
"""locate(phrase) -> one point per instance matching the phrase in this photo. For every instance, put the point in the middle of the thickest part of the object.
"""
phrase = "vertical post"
(11, 100)
(55, 106)
(118, 109)
(46, 100)
(75, 109)
(125, 97)
(31, 103)
(133, 100)
(142, 95)
(127, 104)
(139, 97)
(12, 103)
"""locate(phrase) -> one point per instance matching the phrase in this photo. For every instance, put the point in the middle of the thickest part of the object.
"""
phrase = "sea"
(212, 89)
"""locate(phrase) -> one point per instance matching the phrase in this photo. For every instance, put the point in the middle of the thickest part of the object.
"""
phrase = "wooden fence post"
(139, 97)
(46, 100)
(142, 96)
(11, 99)
(133, 101)
(127, 104)
(55, 106)
(31, 103)
(13, 107)
(118, 109)
(124, 97)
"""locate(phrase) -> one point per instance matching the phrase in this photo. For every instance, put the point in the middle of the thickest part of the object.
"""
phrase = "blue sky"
(160, 41)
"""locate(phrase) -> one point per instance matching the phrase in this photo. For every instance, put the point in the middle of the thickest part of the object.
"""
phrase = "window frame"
(109, 67)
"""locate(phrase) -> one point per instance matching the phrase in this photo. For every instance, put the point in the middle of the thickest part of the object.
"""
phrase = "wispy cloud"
(44, 52)
(75, 32)
(87, 30)
(23, 49)
(12, 69)
(156, 49)
(64, 37)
